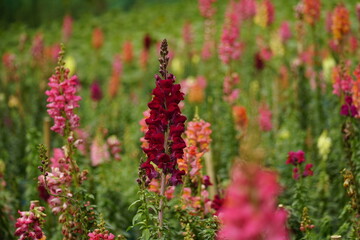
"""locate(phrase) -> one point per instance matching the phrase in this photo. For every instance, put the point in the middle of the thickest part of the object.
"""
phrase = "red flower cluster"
(165, 126)
(296, 159)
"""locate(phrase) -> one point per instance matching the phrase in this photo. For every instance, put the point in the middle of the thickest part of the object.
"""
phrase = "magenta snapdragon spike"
(62, 99)
(28, 226)
(297, 159)
(165, 125)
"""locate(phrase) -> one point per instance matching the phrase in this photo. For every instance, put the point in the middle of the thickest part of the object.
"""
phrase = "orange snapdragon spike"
(340, 23)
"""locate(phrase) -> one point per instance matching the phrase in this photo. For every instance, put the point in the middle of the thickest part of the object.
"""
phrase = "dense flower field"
(249, 130)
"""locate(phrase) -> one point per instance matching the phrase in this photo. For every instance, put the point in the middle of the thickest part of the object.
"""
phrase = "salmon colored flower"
(97, 38)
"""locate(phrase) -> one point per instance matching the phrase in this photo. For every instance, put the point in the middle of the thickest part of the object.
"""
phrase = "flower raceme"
(62, 99)
(165, 126)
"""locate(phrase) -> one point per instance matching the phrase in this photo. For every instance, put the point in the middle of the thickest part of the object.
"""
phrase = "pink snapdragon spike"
(285, 31)
(265, 117)
(67, 27)
(101, 235)
(37, 48)
(206, 8)
(250, 207)
(62, 99)
(230, 47)
(28, 226)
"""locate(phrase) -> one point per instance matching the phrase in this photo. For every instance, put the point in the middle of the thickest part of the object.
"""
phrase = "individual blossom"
(265, 13)
(97, 40)
(265, 116)
(28, 226)
(312, 10)
(217, 203)
(230, 47)
(67, 27)
(96, 92)
(340, 23)
(165, 125)
(62, 99)
(250, 207)
(198, 134)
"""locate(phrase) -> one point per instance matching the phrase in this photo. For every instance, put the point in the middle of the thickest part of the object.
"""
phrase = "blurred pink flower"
(285, 31)
(99, 152)
(206, 8)
(250, 207)
(96, 92)
(265, 116)
(67, 27)
(28, 226)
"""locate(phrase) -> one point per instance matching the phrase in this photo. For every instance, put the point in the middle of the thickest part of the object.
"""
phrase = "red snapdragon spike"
(165, 125)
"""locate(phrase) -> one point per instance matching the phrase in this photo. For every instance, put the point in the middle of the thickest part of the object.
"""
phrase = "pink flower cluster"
(98, 235)
(28, 226)
(114, 146)
(342, 81)
(63, 100)
(206, 8)
(296, 159)
(230, 47)
(58, 181)
(265, 116)
(231, 93)
(250, 208)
